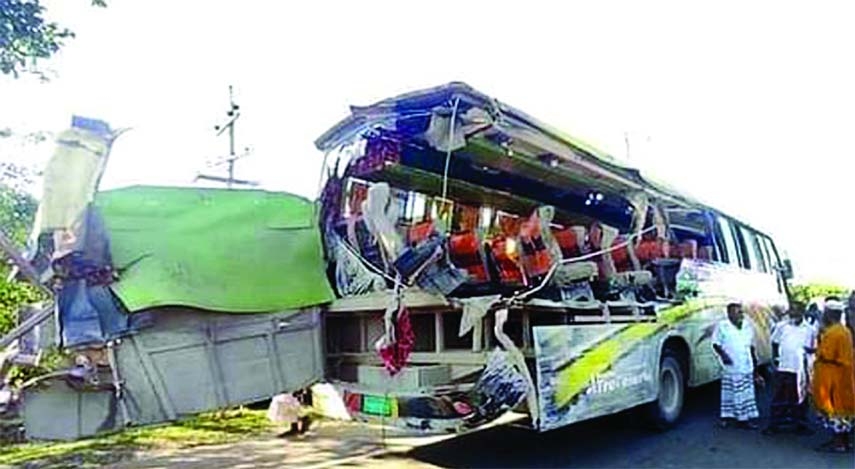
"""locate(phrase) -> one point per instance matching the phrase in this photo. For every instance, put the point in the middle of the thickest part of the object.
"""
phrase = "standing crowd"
(812, 356)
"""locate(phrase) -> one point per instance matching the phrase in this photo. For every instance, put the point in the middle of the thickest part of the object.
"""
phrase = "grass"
(205, 429)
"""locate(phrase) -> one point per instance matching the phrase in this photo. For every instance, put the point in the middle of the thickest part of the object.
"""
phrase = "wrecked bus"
(487, 265)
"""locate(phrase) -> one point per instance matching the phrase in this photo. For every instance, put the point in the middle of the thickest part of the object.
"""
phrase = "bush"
(12, 296)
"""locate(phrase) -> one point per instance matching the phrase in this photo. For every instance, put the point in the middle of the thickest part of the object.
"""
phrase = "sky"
(748, 106)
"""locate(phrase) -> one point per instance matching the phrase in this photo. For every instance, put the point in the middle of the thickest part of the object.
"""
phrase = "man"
(791, 342)
(813, 315)
(733, 342)
(834, 383)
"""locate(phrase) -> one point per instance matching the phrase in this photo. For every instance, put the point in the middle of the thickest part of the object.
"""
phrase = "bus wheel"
(665, 410)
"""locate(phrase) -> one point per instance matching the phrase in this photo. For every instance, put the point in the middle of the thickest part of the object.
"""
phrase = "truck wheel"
(666, 409)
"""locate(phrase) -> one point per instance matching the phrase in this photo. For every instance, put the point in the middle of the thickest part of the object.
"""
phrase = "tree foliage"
(17, 207)
(17, 210)
(25, 34)
(12, 296)
(807, 292)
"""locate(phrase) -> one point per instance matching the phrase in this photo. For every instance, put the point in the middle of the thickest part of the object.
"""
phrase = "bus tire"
(665, 411)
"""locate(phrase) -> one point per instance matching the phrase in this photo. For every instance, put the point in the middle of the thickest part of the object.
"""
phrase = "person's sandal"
(748, 425)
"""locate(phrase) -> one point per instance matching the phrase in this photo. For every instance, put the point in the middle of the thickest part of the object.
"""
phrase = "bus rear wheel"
(665, 410)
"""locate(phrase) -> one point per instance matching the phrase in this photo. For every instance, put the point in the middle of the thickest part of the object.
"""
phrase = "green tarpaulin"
(241, 251)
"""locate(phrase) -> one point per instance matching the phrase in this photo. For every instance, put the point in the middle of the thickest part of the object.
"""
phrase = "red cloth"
(395, 355)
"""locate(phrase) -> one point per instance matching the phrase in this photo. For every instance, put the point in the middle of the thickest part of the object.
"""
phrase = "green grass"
(205, 429)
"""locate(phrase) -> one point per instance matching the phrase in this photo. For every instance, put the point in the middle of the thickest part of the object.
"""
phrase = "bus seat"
(634, 278)
(622, 265)
(506, 253)
(651, 249)
(571, 241)
(705, 253)
(466, 253)
(688, 249)
(419, 232)
(536, 252)
(600, 236)
(621, 256)
(573, 272)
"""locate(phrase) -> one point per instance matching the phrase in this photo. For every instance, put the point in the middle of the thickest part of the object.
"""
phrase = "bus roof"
(408, 113)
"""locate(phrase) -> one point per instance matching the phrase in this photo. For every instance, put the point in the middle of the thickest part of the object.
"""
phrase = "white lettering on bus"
(601, 385)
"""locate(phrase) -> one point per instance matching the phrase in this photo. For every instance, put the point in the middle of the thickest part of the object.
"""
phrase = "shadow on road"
(625, 440)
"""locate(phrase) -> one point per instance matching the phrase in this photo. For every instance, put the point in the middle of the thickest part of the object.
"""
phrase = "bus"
(487, 265)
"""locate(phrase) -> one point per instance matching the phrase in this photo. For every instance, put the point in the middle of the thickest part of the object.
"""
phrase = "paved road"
(623, 441)
(619, 441)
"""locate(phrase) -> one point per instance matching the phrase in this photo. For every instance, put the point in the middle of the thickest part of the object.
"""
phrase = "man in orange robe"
(834, 379)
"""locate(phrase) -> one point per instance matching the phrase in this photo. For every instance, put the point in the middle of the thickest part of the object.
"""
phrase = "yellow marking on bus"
(579, 374)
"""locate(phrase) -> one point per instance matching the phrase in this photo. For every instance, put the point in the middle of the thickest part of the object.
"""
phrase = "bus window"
(771, 255)
(415, 207)
(763, 253)
(742, 246)
(726, 234)
(774, 262)
(752, 245)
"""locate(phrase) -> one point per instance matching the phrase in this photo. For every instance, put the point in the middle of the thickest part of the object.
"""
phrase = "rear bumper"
(445, 412)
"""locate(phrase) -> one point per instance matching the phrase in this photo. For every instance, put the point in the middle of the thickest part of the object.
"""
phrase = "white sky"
(748, 105)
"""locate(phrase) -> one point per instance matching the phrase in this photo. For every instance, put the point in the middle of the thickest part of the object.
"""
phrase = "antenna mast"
(233, 115)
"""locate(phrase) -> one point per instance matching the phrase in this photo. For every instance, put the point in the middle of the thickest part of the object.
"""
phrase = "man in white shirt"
(792, 342)
(733, 343)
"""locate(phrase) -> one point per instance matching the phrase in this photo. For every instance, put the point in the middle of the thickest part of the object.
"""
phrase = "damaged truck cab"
(486, 265)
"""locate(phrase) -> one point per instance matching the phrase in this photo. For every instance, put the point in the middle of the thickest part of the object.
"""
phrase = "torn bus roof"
(485, 122)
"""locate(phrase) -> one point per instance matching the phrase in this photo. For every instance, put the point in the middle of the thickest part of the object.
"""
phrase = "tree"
(807, 292)
(17, 207)
(17, 210)
(25, 34)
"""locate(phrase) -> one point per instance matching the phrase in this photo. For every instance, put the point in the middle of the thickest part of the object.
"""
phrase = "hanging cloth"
(474, 310)
(396, 344)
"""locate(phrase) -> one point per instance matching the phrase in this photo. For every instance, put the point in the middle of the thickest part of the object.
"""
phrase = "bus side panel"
(698, 333)
(586, 371)
(758, 292)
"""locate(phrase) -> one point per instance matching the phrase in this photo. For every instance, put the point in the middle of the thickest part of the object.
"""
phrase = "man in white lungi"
(733, 342)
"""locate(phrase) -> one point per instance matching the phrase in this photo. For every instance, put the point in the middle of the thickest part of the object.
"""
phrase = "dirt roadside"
(329, 443)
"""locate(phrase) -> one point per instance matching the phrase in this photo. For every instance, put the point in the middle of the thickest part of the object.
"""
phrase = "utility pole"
(626, 141)
(233, 114)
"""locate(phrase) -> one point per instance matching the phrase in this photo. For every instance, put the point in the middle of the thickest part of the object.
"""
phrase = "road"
(623, 441)
(618, 441)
